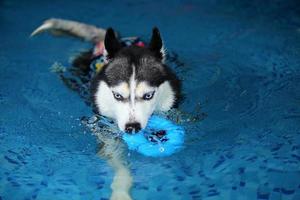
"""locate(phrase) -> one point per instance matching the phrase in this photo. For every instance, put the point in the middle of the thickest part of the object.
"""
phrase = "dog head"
(134, 83)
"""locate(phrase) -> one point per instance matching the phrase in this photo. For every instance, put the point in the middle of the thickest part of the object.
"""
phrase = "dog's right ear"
(111, 43)
(156, 44)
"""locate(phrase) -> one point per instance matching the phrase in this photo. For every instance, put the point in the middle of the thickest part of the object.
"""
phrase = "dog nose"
(130, 127)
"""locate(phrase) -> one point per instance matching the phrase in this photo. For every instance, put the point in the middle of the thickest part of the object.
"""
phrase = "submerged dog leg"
(112, 150)
(67, 27)
(122, 181)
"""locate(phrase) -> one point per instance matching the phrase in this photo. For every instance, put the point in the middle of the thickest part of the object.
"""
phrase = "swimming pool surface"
(240, 63)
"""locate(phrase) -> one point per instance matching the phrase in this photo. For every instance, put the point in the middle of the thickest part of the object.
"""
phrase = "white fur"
(105, 54)
(105, 101)
(165, 97)
(46, 26)
(132, 88)
(122, 89)
(134, 108)
(163, 52)
(122, 180)
(112, 150)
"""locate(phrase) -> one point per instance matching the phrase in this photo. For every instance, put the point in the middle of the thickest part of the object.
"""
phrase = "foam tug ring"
(160, 138)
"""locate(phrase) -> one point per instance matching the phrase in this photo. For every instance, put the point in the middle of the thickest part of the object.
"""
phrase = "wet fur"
(132, 72)
(133, 55)
(112, 149)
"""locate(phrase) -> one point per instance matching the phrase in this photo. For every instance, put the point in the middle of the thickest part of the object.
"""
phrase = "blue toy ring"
(160, 138)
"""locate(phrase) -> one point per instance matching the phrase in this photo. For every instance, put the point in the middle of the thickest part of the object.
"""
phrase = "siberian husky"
(133, 83)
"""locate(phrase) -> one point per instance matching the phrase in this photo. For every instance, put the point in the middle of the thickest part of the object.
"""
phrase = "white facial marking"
(109, 106)
(165, 97)
(122, 89)
(104, 100)
(144, 108)
(134, 108)
(143, 88)
(141, 109)
(132, 86)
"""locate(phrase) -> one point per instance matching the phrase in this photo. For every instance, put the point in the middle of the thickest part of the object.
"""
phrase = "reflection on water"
(239, 61)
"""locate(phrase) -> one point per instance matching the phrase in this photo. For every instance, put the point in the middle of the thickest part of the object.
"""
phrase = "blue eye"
(117, 96)
(148, 95)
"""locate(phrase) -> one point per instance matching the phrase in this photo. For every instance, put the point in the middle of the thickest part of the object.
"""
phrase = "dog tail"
(79, 30)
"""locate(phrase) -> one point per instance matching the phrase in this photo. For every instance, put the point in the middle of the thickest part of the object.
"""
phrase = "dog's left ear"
(156, 44)
(111, 43)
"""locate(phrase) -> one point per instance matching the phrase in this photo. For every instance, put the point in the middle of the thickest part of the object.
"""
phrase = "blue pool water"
(239, 60)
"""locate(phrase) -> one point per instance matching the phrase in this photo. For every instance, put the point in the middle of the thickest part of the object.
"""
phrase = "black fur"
(147, 61)
(83, 61)
(148, 66)
(156, 43)
(112, 44)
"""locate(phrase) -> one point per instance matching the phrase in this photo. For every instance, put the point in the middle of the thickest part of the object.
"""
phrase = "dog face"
(134, 83)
